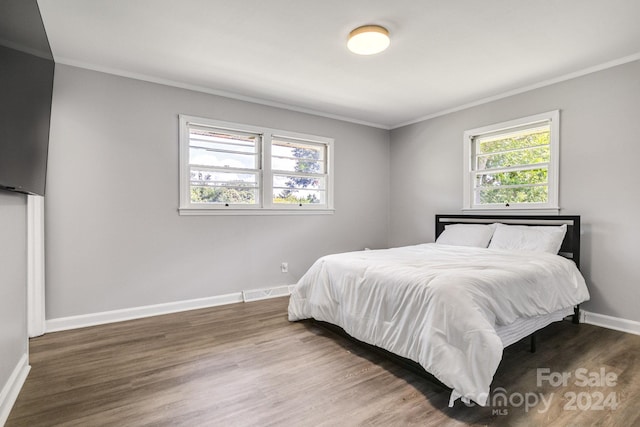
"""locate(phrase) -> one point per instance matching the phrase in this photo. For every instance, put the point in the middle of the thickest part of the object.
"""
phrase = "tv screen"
(26, 85)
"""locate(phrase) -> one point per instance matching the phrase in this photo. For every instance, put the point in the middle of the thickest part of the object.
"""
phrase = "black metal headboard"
(570, 245)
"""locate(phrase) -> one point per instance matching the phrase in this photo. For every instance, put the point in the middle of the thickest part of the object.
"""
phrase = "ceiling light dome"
(368, 40)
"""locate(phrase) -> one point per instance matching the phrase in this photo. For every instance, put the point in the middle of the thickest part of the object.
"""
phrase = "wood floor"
(246, 365)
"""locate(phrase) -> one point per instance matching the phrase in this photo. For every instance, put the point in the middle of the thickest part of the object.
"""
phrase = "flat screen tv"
(26, 86)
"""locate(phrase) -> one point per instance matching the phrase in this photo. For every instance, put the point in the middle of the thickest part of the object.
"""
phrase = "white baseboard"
(93, 319)
(610, 322)
(11, 389)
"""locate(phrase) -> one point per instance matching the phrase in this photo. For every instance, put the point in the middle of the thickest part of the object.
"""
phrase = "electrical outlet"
(284, 267)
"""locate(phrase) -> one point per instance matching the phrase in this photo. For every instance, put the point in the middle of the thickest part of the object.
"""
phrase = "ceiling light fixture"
(368, 40)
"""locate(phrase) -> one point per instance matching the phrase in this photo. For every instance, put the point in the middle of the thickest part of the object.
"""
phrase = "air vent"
(258, 294)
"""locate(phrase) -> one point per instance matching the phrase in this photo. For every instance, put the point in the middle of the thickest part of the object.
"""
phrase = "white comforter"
(437, 305)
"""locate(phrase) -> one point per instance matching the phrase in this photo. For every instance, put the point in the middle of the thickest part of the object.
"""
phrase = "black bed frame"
(570, 245)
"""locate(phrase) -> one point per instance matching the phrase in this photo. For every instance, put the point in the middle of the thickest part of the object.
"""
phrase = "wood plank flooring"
(246, 365)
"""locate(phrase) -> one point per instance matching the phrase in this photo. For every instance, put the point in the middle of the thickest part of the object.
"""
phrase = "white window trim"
(554, 165)
(265, 205)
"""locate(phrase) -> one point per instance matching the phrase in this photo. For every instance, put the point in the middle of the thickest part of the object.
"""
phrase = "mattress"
(523, 327)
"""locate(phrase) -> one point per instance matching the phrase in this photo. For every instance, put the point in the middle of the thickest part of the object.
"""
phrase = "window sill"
(249, 212)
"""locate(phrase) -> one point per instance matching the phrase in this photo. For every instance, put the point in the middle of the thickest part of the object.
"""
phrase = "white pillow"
(477, 235)
(528, 238)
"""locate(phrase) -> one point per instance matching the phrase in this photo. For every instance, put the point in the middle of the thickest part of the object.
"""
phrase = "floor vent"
(258, 294)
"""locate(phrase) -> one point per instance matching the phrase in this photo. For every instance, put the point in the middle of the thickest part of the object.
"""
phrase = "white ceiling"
(444, 54)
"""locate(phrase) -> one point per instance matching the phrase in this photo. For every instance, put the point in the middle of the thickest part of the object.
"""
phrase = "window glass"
(306, 182)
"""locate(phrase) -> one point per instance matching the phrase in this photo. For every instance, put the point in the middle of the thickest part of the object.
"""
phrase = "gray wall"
(13, 282)
(599, 152)
(114, 238)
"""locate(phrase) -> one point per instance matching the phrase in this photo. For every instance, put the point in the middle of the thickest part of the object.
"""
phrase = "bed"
(453, 305)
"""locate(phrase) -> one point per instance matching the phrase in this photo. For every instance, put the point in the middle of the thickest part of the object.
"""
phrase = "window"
(513, 165)
(224, 166)
(234, 168)
(299, 171)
